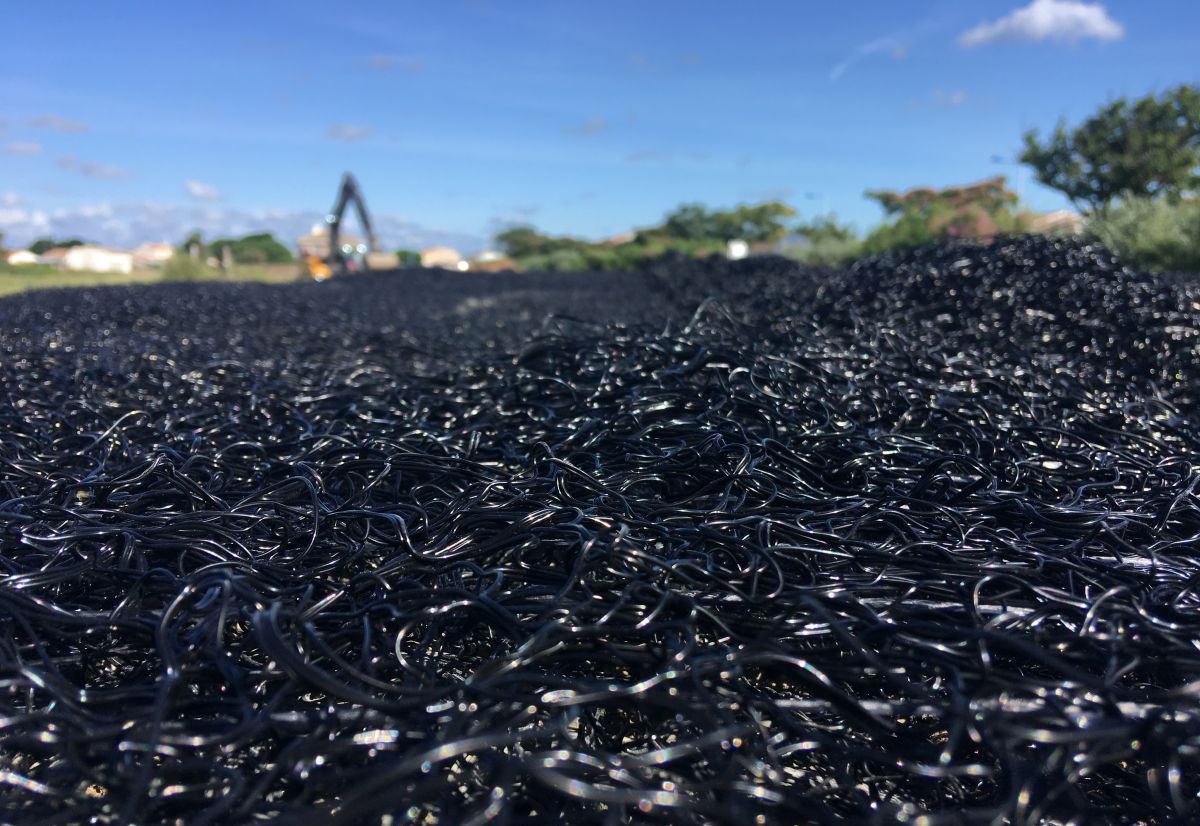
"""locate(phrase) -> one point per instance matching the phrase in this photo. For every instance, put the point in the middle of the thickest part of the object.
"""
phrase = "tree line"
(1132, 171)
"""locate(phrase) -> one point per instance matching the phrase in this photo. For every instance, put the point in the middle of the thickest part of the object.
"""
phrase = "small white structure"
(1062, 222)
(98, 259)
(317, 242)
(737, 249)
(443, 257)
(153, 255)
(21, 257)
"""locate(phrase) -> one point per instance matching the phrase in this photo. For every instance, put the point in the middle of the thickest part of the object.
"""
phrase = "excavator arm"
(348, 192)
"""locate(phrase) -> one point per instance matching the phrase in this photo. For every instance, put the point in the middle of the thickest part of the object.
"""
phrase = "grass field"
(37, 277)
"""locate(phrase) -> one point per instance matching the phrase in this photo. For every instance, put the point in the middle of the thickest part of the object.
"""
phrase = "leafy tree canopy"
(408, 258)
(918, 216)
(260, 248)
(750, 222)
(1144, 148)
(43, 245)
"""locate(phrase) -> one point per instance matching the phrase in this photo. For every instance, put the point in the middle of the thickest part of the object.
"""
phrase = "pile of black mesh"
(737, 543)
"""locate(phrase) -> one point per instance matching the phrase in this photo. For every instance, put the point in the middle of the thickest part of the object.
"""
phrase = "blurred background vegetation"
(1131, 170)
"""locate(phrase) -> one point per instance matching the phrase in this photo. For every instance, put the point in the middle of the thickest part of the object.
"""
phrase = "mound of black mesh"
(918, 542)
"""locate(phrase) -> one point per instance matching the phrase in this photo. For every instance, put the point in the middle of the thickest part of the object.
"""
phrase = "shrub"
(825, 243)
(182, 267)
(1152, 234)
(977, 211)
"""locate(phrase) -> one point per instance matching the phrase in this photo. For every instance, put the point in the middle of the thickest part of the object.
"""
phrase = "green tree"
(42, 245)
(750, 222)
(1144, 148)
(408, 258)
(691, 229)
(194, 238)
(260, 248)
(525, 241)
(689, 222)
(824, 242)
(919, 216)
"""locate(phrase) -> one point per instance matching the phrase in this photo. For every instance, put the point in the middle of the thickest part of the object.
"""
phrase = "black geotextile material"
(716, 543)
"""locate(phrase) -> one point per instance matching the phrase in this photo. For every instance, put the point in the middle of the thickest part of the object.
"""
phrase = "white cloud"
(58, 124)
(9, 199)
(951, 99)
(23, 148)
(99, 171)
(1062, 20)
(349, 133)
(21, 226)
(202, 191)
(129, 224)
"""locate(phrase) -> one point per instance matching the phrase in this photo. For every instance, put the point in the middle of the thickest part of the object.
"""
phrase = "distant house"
(317, 242)
(490, 261)
(444, 258)
(1062, 221)
(153, 255)
(90, 258)
(55, 256)
(21, 257)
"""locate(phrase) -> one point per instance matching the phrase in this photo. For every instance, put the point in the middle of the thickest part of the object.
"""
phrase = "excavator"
(342, 259)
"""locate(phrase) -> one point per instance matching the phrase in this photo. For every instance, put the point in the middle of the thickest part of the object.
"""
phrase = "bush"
(978, 211)
(1152, 234)
(557, 261)
(825, 243)
(182, 267)
(408, 258)
(261, 248)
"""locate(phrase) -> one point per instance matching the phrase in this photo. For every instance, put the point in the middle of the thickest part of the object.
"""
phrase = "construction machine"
(343, 258)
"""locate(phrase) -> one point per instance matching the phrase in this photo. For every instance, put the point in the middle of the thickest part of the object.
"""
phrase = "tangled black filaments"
(713, 543)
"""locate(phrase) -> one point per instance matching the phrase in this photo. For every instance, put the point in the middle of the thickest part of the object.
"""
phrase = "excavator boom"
(349, 192)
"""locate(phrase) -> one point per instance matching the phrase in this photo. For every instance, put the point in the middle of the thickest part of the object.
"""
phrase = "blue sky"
(138, 121)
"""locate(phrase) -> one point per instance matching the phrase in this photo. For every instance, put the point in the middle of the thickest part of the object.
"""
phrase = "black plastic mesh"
(716, 543)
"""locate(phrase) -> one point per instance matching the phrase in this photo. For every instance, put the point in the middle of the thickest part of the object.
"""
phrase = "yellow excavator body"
(315, 268)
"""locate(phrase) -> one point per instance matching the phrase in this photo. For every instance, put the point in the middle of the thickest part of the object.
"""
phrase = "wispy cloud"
(23, 148)
(590, 127)
(9, 199)
(385, 62)
(129, 224)
(892, 45)
(349, 133)
(88, 169)
(1066, 21)
(940, 99)
(58, 124)
(202, 191)
(949, 99)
